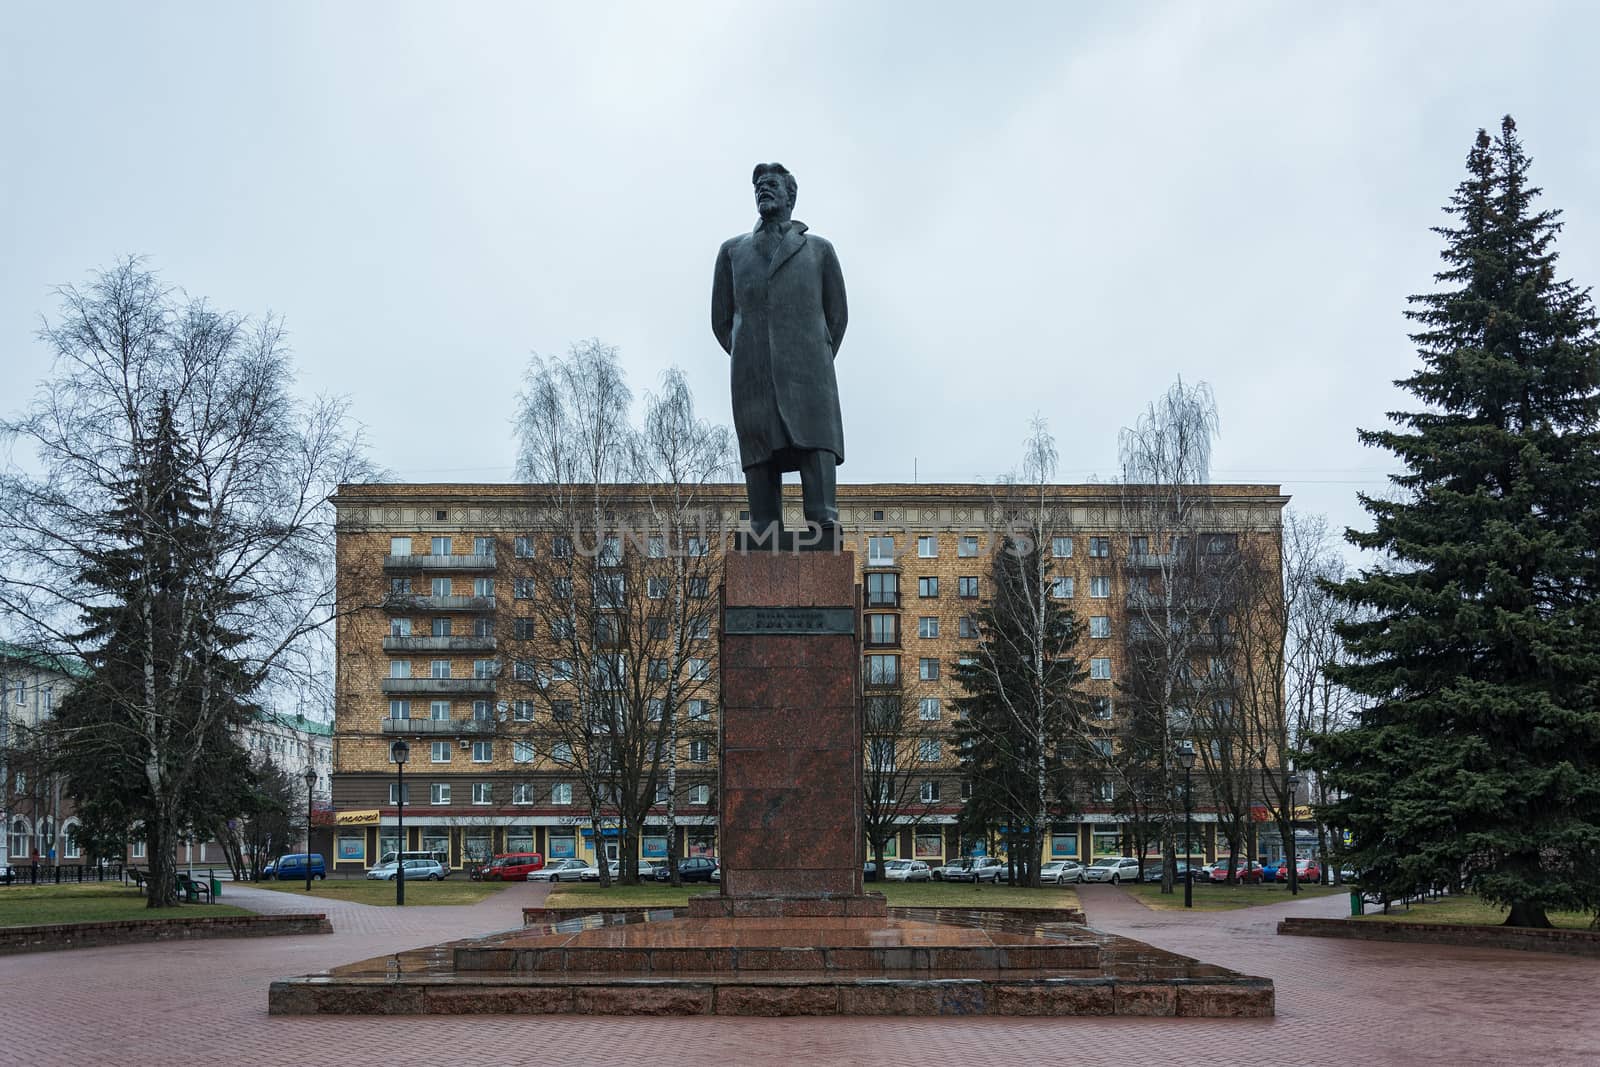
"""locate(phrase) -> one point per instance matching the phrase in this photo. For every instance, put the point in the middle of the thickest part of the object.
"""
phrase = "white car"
(1060, 872)
(591, 873)
(976, 869)
(906, 871)
(567, 870)
(1113, 869)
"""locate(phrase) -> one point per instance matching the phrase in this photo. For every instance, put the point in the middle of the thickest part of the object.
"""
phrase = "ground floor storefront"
(459, 841)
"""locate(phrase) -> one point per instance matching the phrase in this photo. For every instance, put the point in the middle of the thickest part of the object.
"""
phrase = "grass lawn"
(454, 890)
(920, 895)
(100, 902)
(1223, 897)
(1468, 910)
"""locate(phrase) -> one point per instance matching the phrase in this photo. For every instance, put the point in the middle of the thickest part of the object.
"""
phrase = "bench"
(138, 877)
(193, 889)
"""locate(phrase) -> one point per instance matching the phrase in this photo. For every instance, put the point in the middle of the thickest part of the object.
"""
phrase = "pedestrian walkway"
(1339, 1002)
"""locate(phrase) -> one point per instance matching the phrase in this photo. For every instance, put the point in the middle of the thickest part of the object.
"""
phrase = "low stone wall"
(53, 936)
(611, 914)
(621, 913)
(1569, 942)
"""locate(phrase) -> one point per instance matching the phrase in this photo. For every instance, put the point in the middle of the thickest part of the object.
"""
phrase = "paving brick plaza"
(1338, 1002)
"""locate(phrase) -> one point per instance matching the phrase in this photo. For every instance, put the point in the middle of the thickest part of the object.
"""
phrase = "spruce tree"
(1478, 760)
(149, 739)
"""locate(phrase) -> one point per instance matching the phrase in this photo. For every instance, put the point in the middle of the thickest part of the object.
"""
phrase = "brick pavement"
(1339, 1002)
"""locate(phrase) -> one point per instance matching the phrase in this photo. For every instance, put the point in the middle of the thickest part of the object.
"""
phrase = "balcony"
(439, 644)
(479, 562)
(1151, 560)
(409, 602)
(439, 727)
(438, 686)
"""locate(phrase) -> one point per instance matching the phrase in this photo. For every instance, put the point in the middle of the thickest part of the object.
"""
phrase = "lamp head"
(400, 752)
(310, 776)
(1186, 756)
(1294, 782)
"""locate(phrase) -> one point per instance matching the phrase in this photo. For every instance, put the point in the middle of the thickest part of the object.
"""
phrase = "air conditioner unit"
(466, 743)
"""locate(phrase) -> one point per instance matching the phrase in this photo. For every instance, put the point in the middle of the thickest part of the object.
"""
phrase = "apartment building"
(438, 644)
(37, 818)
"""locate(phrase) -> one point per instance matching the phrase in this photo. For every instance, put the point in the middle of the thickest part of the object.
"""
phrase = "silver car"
(1060, 872)
(1113, 869)
(977, 869)
(416, 871)
(567, 870)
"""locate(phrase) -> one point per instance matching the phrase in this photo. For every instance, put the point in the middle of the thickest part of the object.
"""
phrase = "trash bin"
(1355, 902)
(216, 887)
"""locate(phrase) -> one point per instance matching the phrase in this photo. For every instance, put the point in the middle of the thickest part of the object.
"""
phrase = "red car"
(512, 866)
(1244, 872)
(1305, 871)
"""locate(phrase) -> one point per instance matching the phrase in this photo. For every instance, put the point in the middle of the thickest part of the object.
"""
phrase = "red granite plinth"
(713, 906)
(789, 812)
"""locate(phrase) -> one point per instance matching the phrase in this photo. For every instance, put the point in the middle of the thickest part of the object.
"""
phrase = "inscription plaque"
(766, 620)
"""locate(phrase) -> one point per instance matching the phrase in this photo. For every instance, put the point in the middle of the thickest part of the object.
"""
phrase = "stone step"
(733, 959)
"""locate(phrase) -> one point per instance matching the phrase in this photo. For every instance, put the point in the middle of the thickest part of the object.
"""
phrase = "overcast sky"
(1053, 208)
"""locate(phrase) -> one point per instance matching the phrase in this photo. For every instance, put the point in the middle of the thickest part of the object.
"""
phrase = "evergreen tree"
(1019, 725)
(1478, 761)
(148, 741)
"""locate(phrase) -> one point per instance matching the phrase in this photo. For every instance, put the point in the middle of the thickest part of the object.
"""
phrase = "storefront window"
(388, 844)
(436, 839)
(475, 846)
(1064, 846)
(654, 845)
(519, 839)
(930, 846)
(702, 843)
(352, 845)
(1107, 843)
(563, 846)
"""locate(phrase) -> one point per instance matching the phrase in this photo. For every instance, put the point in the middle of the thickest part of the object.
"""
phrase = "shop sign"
(357, 818)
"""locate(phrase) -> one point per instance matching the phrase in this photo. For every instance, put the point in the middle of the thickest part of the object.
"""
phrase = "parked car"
(293, 866)
(869, 871)
(591, 873)
(1153, 868)
(906, 871)
(1269, 870)
(941, 872)
(1304, 870)
(1060, 872)
(692, 869)
(511, 867)
(6, 874)
(1113, 869)
(416, 871)
(976, 869)
(381, 872)
(1246, 871)
(567, 870)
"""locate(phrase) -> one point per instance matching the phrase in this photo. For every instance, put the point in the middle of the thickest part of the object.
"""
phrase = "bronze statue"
(778, 308)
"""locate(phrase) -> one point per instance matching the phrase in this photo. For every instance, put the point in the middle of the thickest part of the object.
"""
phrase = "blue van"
(293, 866)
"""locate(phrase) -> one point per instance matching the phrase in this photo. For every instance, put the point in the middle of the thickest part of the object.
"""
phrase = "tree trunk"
(1526, 914)
(161, 888)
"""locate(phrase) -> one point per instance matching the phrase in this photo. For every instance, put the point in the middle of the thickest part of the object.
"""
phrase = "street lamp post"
(1293, 857)
(311, 781)
(400, 752)
(1186, 759)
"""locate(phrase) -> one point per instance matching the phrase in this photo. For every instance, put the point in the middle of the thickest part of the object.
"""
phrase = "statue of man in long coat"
(778, 308)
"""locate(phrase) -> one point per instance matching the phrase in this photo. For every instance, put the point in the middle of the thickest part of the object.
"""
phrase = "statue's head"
(775, 189)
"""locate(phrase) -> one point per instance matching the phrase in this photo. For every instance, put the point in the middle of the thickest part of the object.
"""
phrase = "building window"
(655, 588)
(610, 554)
(883, 630)
(561, 546)
(522, 628)
(928, 709)
(699, 670)
(700, 794)
(928, 749)
(699, 588)
(699, 711)
(486, 668)
(441, 751)
(967, 587)
(698, 547)
(561, 588)
(1099, 626)
(522, 710)
(440, 586)
(967, 546)
(883, 590)
(1101, 747)
(399, 546)
(1099, 587)
(439, 628)
(522, 793)
(1062, 586)
(523, 670)
(399, 709)
(699, 752)
(483, 546)
(929, 792)
(439, 793)
(1099, 548)
(522, 588)
(928, 669)
(928, 587)
(395, 794)
(561, 793)
(482, 792)
(439, 710)
(883, 670)
(483, 587)
(968, 626)
(561, 752)
(699, 629)
(398, 668)
(927, 548)
(1100, 707)
(483, 752)
(561, 711)
(928, 626)
(880, 551)
(138, 848)
(440, 546)
(522, 547)
(439, 668)
(397, 587)
(1105, 792)
(1100, 668)
(1061, 547)
(522, 752)
(399, 627)
(880, 754)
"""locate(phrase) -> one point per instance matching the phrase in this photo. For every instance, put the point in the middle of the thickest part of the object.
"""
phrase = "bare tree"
(254, 560)
(1172, 591)
(900, 747)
